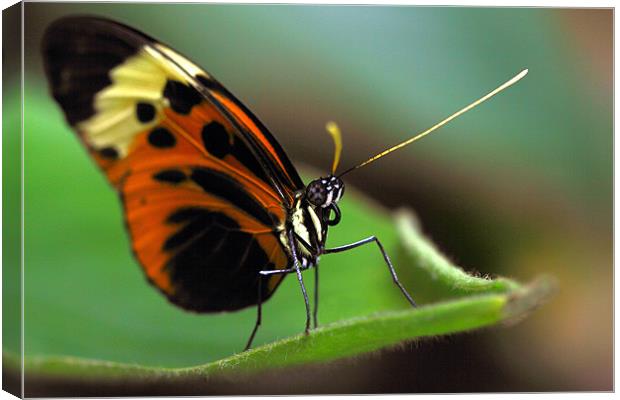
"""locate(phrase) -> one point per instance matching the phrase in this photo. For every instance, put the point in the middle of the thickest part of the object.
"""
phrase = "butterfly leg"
(316, 274)
(316, 296)
(269, 272)
(259, 313)
(291, 241)
(385, 257)
(277, 271)
(259, 303)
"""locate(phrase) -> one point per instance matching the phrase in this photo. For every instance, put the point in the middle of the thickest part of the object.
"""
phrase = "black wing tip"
(78, 51)
(89, 20)
(77, 23)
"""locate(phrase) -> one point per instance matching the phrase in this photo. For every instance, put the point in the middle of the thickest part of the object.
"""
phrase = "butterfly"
(216, 212)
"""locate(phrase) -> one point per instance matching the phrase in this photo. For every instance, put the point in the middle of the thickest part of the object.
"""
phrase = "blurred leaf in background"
(522, 184)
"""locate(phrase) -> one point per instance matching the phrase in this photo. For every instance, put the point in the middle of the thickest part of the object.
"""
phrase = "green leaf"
(491, 302)
(423, 254)
(338, 340)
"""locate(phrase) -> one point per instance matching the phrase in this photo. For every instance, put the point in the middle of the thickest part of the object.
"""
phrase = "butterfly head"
(324, 193)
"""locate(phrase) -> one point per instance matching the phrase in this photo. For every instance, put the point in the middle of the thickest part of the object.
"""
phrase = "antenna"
(481, 100)
(334, 131)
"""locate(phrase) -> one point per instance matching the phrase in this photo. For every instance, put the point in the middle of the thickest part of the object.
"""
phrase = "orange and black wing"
(205, 187)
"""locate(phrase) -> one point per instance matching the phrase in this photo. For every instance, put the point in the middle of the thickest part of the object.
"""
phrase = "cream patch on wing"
(115, 123)
(140, 80)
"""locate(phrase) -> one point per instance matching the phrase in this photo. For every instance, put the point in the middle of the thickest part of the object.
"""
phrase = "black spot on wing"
(215, 139)
(239, 149)
(145, 112)
(185, 214)
(215, 266)
(173, 176)
(225, 187)
(249, 159)
(217, 142)
(109, 153)
(241, 152)
(182, 97)
(161, 138)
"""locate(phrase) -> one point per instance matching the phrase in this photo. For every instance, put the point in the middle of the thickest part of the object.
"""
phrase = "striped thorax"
(311, 216)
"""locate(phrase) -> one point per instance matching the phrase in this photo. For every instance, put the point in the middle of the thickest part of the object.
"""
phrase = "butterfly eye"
(316, 193)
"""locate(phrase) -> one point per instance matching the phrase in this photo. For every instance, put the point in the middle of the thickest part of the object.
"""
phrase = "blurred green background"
(521, 185)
